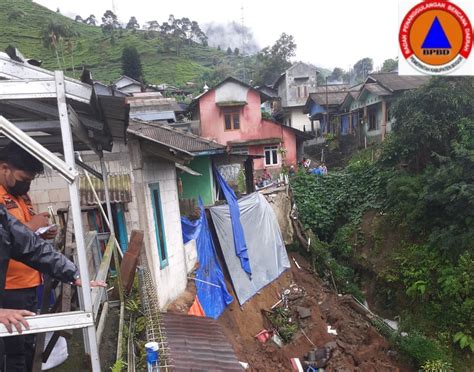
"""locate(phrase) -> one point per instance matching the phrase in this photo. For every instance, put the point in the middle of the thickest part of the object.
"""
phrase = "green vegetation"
(23, 25)
(421, 192)
(131, 63)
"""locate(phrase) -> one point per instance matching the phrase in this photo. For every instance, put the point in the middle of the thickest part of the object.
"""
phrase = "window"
(159, 225)
(372, 117)
(271, 155)
(299, 92)
(305, 91)
(231, 119)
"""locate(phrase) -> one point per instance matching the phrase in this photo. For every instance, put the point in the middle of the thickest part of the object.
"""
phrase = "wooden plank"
(130, 259)
(102, 320)
(97, 292)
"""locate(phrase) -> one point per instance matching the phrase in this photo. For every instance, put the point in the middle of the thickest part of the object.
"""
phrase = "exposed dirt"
(357, 346)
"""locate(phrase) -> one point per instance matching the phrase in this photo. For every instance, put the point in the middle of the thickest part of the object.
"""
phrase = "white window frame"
(270, 149)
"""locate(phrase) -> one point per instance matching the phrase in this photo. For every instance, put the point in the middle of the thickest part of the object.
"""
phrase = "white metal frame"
(82, 319)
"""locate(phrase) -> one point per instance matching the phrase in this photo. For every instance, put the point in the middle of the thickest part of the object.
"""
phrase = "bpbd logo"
(436, 37)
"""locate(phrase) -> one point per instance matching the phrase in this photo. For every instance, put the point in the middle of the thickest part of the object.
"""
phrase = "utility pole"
(327, 106)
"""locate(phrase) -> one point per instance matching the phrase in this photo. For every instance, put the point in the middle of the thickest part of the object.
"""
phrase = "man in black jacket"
(20, 243)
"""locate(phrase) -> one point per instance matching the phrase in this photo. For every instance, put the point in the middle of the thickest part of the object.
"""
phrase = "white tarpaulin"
(266, 249)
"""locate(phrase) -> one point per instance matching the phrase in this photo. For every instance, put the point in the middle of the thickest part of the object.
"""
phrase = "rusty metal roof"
(377, 89)
(174, 137)
(394, 82)
(332, 98)
(120, 189)
(198, 344)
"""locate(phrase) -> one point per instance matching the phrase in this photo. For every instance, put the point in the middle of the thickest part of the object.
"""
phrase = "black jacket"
(20, 243)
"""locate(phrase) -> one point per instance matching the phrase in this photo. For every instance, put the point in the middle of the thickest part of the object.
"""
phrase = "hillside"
(22, 22)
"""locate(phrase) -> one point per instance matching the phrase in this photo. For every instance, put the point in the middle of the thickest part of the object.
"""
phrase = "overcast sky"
(328, 33)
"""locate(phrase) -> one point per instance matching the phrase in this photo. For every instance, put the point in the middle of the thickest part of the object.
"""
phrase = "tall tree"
(362, 69)
(153, 25)
(337, 74)
(274, 60)
(131, 63)
(55, 35)
(91, 20)
(389, 65)
(79, 19)
(132, 24)
(109, 22)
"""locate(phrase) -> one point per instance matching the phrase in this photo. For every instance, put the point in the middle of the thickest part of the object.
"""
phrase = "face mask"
(19, 188)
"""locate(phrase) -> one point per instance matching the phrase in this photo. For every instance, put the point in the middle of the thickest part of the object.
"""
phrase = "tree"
(79, 19)
(274, 60)
(219, 47)
(55, 35)
(426, 121)
(109, 22)
(389, 65)
(153, 26)
(362, 69)
(132, 24)
(91, 20)
(337, 74)
(236, 51)
(229, 51)
(131, 63)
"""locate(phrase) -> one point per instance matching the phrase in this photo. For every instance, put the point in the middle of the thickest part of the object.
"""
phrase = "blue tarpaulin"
(210, 284)
(240, 244)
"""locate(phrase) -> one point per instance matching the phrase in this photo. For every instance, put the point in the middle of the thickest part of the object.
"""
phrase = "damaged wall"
(281, 205)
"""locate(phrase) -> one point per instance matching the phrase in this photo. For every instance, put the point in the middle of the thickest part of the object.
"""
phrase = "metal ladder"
(76, 319)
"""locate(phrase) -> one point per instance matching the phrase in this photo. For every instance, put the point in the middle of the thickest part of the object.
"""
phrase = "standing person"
(20, 243)
(17, 169)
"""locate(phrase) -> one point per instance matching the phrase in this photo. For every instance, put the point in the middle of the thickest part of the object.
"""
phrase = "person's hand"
(51, 233)
(38, 220)
(93, 283)
(9, 317)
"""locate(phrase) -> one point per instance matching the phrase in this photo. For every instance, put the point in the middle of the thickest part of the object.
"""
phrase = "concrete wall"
(170, 280)
(51, 189)
(252, 126)
(299, 75)
(299, 120)
(231, 92)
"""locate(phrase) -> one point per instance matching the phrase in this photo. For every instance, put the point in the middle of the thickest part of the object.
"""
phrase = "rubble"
(356, 347)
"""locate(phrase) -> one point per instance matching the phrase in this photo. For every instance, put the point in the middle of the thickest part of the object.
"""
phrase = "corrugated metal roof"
(153, 115)
(333, 98)
(198, 344)
(141, 103)
(331, 88)
(392, 81)
(119, 189)
(174, 137)
(376, 89)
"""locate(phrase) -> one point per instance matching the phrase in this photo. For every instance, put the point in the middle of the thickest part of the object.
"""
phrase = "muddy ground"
(357, 346)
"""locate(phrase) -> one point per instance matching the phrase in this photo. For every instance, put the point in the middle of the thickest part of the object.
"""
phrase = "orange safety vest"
(19, 275)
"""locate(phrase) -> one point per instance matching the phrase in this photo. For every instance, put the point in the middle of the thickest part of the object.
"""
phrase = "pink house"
(230, 114)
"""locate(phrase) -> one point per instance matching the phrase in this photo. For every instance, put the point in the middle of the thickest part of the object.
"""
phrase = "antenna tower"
(242, 34)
